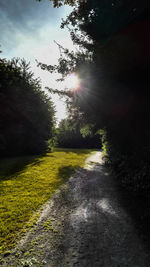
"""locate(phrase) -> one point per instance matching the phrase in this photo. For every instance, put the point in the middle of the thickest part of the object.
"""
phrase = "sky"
(28, 30)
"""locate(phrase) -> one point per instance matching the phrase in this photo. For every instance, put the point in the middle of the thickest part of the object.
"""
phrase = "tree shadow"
(138, 207)
(66, 171)
(12, 166)
(77, 151)
(99, 223)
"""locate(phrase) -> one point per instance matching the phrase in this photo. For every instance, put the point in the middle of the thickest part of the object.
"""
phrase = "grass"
(26, 183)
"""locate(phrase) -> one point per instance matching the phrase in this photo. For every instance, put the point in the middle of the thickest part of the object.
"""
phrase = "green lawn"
(28, 182)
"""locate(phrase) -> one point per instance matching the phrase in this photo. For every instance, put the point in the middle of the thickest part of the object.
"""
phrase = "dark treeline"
(112, 64)
(27, 121)
(72, 136)
(26, 112)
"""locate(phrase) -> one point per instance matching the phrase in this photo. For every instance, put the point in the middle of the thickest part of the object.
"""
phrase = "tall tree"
(26, 112)
(113, 67)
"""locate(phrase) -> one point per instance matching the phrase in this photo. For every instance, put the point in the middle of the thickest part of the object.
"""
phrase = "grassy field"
(28, 182)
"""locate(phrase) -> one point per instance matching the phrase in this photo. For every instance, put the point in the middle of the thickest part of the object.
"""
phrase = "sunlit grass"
(28, 182)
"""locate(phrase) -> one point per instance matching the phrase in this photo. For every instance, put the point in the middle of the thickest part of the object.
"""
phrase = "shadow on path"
(99, 231)
(88, 223)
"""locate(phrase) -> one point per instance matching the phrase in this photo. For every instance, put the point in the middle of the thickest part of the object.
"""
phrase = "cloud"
(28, 29)
(25, 18)
(21, 12)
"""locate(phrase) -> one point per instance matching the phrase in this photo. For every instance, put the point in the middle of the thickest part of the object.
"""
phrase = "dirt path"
(83, 225)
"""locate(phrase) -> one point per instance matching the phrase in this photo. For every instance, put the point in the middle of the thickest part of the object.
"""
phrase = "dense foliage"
(26, 112)
(113, 67)
(72, 136)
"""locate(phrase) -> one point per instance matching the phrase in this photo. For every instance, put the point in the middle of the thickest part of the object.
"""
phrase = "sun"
(72, 81)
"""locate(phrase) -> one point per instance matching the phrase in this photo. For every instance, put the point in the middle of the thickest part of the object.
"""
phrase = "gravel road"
(83, 225)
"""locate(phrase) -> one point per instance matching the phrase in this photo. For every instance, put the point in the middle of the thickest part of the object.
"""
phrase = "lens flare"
(72, 81)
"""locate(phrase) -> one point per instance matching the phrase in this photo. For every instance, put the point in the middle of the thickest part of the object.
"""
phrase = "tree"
(102, 63)
(26, 112)
(73, 135)
(113, 67)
